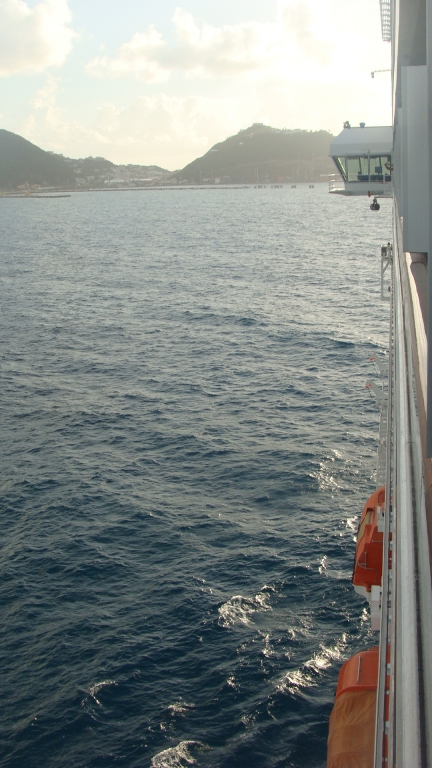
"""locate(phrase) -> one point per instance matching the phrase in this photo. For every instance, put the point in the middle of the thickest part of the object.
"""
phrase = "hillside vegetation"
(261, 153)
(22, 162)
(254, 155)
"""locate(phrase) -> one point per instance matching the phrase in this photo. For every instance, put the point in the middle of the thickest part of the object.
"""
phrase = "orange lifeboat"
(352, 721)
(368, 560)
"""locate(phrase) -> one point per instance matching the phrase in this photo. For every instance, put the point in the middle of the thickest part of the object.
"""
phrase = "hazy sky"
(160, 82)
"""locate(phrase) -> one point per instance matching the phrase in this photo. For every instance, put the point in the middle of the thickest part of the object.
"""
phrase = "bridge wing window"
(353, 168)
(363, 174)
(365, 168)
(341, 166)
(380, 168)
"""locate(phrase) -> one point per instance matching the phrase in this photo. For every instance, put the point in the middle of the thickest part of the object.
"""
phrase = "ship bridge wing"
(363, 157)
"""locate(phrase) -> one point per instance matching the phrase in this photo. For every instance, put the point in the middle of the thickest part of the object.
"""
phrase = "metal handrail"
(407, 750)
(386, 600)
(422, 564)
(404, 707)
(403, 734)
(336, 184)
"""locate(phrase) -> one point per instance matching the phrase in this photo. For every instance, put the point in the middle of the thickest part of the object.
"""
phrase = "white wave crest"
(176, 757)
(239, 609)
(351, 523)
(93, 690)
(180, 708)
(295, 680)
(309, 673)
(323, 658)
(267, 651)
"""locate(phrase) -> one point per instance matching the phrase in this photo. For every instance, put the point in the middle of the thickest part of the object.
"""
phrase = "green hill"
(255, 155)
(261, 153)
(22, 162)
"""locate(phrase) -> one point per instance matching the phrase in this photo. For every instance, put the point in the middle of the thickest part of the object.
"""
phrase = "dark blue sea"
(187, 443)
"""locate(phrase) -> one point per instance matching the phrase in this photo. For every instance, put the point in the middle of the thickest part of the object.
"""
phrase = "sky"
(159, 83)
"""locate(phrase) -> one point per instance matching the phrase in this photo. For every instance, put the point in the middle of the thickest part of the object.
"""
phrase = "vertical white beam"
(408, 751)
(429, 324)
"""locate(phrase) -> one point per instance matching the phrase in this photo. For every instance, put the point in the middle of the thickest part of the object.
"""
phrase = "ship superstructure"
(393, 552)
(363, 157)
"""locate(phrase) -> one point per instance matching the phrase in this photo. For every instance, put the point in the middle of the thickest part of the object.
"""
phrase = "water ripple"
(184, 420)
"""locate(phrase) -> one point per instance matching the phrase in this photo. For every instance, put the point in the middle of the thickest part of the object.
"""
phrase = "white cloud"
(248, 47)
(46, 112)
(33, 39)
(170, 131)
(164, 130)
(167, 130)
(141, 56)
(300, 68)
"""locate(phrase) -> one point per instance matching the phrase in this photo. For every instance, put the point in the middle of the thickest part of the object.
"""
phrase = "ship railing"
(336, 184)
(383, 734)
(404, 695)
(386, 260)
(380, 390)
(381, 464)
(386, 20)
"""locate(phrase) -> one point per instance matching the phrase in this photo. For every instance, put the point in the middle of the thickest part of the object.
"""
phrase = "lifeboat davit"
(352, 721)
(368, 562)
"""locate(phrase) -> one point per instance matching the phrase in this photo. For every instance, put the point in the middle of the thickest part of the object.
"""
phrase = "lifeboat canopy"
(363, 157)
(352, 722)
(368, 561)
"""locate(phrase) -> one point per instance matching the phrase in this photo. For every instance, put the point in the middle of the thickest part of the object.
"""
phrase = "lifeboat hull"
(369, 549)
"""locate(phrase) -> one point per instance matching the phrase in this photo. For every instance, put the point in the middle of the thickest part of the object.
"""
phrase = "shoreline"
(180, 188)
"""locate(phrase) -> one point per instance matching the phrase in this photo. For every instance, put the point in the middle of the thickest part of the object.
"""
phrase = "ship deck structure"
(394, 543)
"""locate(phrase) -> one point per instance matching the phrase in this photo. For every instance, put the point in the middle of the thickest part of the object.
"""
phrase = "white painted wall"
(415, 154)
(397, 160)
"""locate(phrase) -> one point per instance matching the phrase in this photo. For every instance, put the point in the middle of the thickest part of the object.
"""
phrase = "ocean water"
(187, 444)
